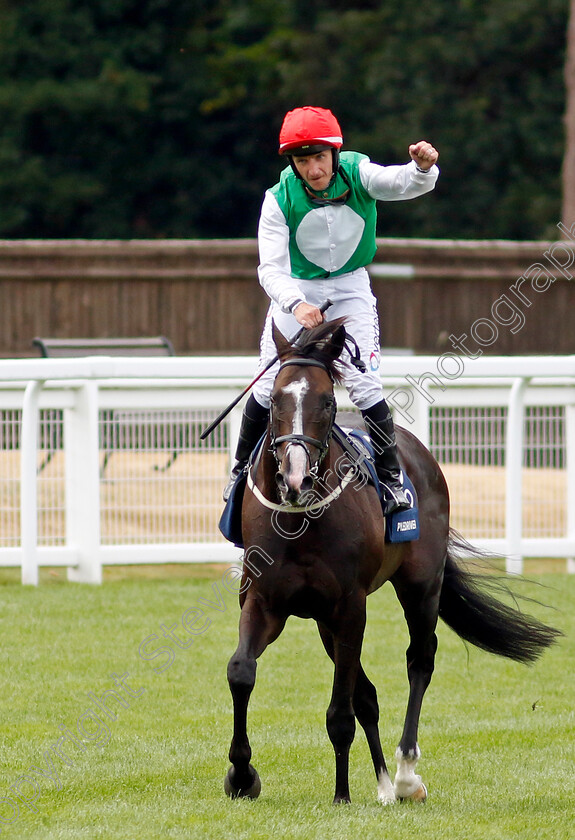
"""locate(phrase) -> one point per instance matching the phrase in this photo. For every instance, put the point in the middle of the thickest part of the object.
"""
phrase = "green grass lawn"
(497, 738)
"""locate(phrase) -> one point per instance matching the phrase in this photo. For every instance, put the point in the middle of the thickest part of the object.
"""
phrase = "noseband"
(300, 439)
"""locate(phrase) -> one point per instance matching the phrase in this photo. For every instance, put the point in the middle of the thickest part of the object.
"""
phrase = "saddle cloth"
(401, 526)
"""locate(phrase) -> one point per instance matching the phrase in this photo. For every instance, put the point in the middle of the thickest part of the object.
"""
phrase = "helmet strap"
(294, 167)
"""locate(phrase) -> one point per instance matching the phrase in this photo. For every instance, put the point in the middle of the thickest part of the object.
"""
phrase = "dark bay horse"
(315, 547)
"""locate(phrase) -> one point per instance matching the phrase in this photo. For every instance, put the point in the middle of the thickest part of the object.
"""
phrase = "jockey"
(316, 236)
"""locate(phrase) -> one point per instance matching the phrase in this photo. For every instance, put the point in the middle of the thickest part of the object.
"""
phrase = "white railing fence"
(101, 461)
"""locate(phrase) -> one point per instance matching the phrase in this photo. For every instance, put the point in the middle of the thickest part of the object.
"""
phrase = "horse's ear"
(336, 342)
(281, 343)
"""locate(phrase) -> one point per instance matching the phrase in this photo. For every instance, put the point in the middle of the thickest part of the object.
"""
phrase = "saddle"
(401, 526)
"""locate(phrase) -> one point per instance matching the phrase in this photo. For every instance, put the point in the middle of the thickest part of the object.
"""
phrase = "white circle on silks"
(311, 236)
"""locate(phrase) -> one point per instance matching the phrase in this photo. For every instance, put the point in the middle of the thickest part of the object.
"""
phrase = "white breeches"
(352, 297)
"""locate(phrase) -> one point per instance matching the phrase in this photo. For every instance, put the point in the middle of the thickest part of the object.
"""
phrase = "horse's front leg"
(257, 630)
(366, 710)
(340, 718)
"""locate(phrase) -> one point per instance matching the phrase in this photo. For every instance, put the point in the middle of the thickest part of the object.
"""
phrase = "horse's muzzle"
(293, 478)
(294, 493)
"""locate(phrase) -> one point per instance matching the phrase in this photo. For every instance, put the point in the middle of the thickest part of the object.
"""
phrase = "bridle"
(305, 441)
(301, 439)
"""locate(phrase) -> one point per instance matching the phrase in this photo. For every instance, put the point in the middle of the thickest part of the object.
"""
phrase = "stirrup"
(393, 497)
(237, 469)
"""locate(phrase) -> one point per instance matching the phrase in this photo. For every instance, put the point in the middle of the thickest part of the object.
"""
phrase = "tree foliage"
(568, 207)
(159, 118)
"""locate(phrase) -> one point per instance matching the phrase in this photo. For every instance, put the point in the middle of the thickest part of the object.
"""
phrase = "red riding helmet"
(306, 131)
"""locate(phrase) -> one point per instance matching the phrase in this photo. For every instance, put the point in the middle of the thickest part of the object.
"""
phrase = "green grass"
(497, 738)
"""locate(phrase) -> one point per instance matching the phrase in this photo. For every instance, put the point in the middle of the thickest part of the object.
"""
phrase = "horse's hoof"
(250, 791)
(419, 795)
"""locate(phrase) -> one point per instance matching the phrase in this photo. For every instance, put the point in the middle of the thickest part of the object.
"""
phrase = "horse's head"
(303, 406)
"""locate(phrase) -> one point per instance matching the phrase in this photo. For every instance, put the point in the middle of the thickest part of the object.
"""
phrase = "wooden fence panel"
(205, 297)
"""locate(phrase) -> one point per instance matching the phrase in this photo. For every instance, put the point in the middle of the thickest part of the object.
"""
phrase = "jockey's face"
(316, 170)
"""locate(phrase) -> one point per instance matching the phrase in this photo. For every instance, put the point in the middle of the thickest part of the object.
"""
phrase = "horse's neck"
(328, 475)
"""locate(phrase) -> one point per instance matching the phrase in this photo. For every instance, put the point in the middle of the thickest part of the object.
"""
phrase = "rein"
(309, 508)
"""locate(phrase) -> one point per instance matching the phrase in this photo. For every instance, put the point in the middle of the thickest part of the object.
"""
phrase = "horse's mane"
(316, 344)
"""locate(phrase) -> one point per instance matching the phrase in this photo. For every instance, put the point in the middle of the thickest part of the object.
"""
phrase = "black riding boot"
(379, 424)
(254, 424)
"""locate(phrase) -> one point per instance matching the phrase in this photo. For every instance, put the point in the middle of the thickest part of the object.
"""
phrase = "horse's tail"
(467, 606)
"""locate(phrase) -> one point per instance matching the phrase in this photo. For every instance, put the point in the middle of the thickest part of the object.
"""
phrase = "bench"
(69, 348)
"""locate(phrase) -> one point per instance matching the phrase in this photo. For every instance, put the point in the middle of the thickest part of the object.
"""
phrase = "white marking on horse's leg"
(385, 789)
(407, 781)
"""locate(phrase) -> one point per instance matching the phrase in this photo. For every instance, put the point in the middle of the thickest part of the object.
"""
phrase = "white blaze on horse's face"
(298, 389)
(296, 458)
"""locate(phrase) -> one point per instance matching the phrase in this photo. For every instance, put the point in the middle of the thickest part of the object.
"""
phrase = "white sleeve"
(274, 270)
(396, 183)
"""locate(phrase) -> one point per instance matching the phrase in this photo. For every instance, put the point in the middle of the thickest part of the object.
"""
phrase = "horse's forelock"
(317, 344)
